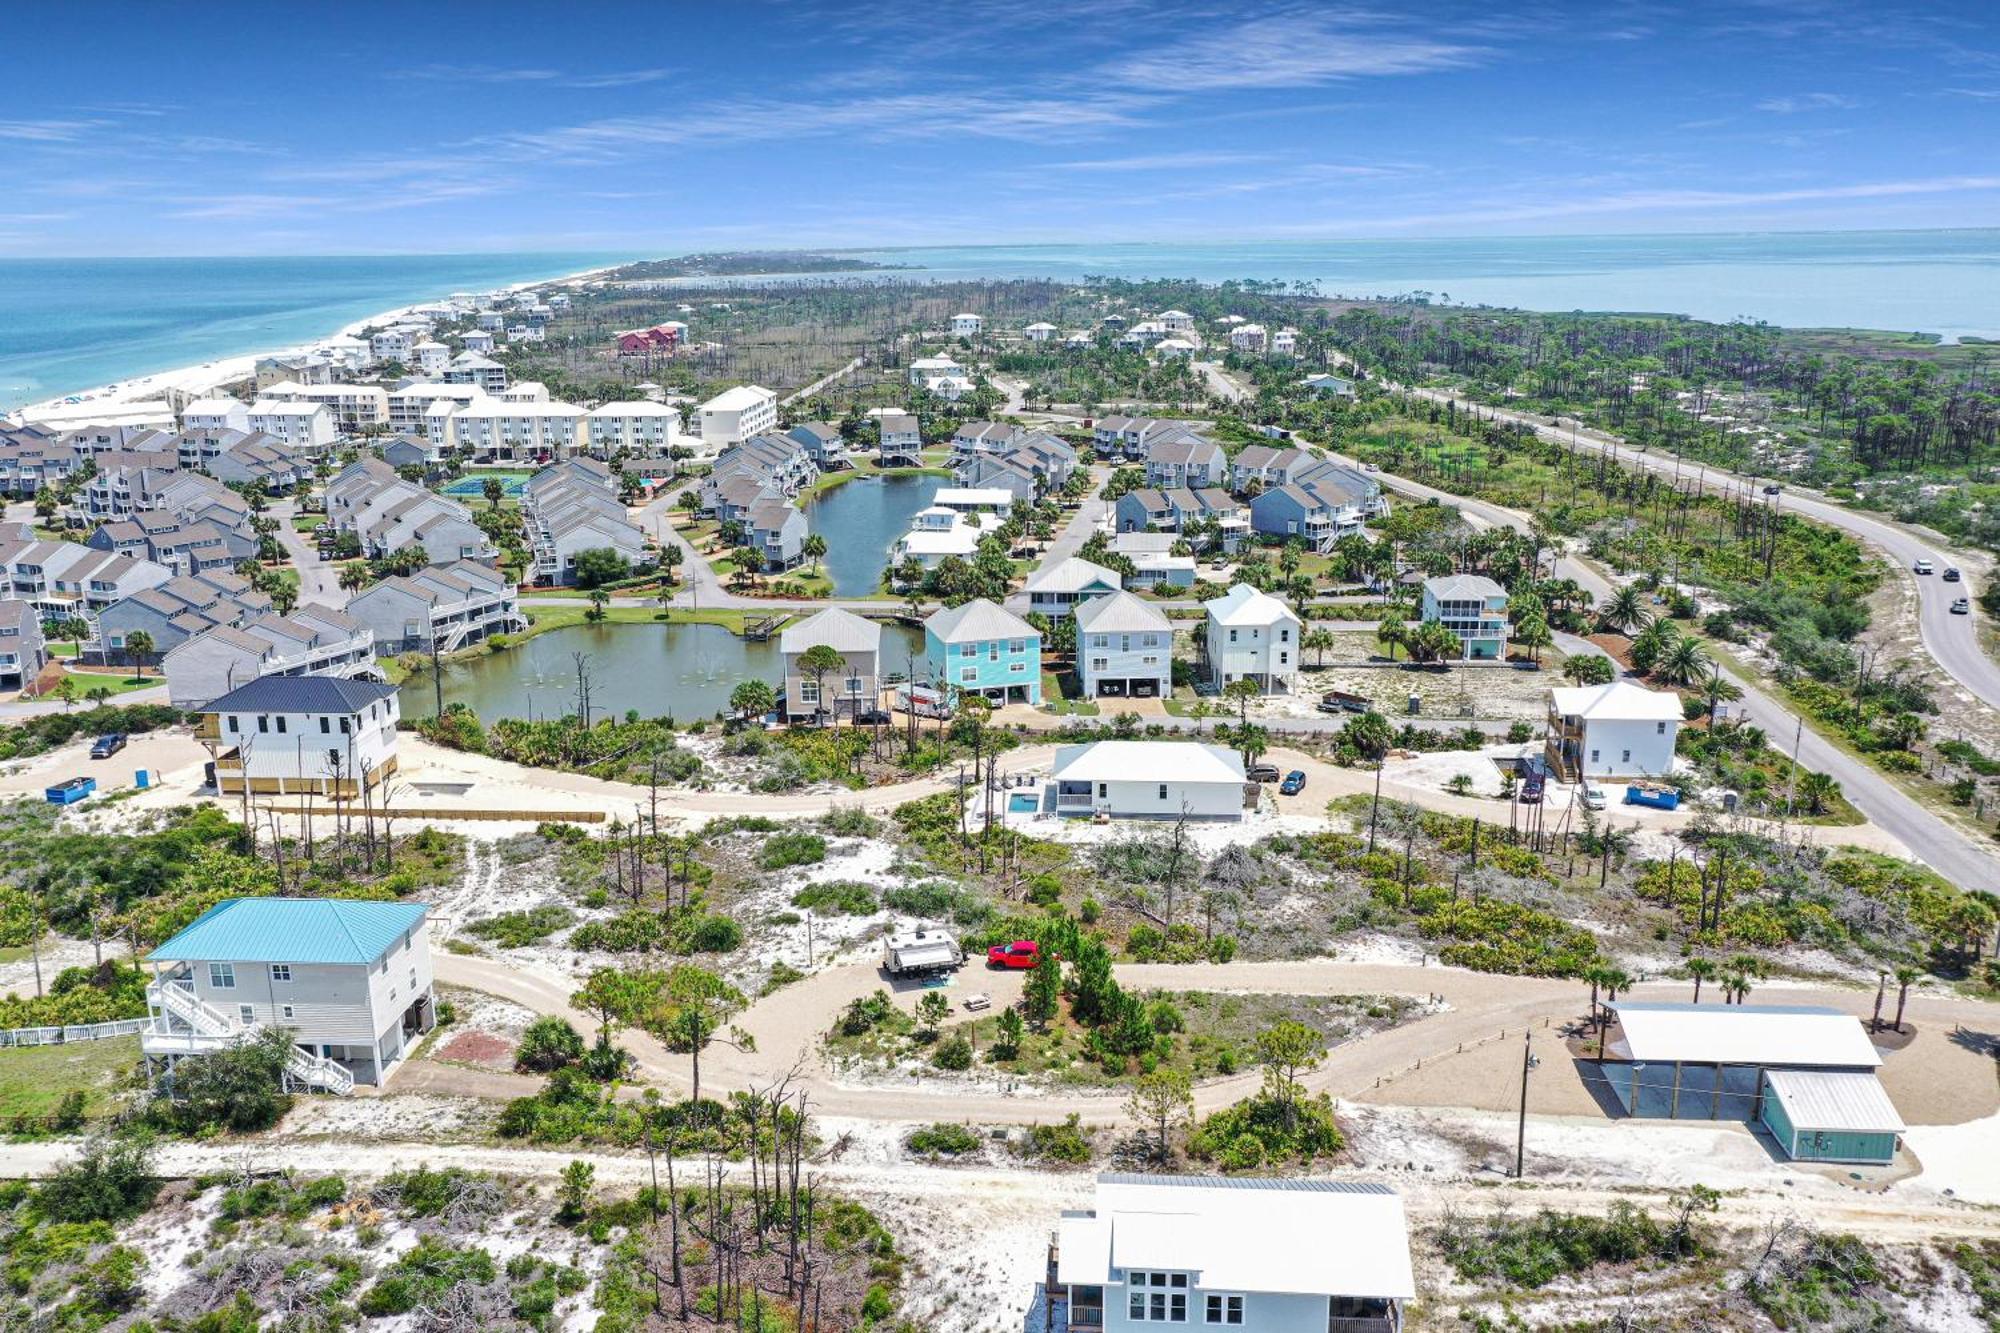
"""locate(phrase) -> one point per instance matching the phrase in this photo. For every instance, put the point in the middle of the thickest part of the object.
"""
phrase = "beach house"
(1474, 608)
(1054, 590)
(1124, 648)
(1150, 780)
(851, 690)
(967, 325)
(980, 648)
(349, 982)
(901, 443)
(1251, 635)
(1264, 1255)
(441, 607)
(1619, 730)
(293, 735)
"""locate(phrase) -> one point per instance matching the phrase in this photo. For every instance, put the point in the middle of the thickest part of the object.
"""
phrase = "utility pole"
(437, 673)
(1528, 1063)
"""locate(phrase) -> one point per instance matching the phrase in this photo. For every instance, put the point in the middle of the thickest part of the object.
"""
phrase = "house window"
(222, 976)
(1627, 759)
(285, 1010)
(1593, 756)
(247, 1013)
(263, 723)
(1660, 729)
(808, 691)
(232, 724)
(967, 675)
(1223, 1309)
(281, 726)
(325, 725)
(1163, 791)
(413, 978)
(1232, 636)
(1156, 1298)
(281, 971)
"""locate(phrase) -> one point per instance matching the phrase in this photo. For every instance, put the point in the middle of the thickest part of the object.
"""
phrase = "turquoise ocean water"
(67, 325)
(70, 324)
(1943, 282)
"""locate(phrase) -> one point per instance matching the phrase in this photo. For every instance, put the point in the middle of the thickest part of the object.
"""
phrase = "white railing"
(318, 1071)
(211, 1027)
(68, 1032)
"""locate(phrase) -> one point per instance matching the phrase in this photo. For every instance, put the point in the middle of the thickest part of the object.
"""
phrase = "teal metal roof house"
(293, 930)
(349, 981)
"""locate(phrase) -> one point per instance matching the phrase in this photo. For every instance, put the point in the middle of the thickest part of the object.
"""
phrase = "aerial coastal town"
(1027, 805)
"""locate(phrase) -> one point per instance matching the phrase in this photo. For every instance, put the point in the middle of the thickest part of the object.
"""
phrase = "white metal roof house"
(855, 688)
(1055, 589)
(967, 325)
(1619, 730)
(350, 981)
(1149, 780)
(1805, 1072)
(1264, 1255)
(1251, 635)
(1124, 648)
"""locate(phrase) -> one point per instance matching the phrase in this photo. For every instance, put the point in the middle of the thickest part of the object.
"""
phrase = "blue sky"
(659, 128)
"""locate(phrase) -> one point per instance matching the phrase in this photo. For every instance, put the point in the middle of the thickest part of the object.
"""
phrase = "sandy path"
(1946, 1077)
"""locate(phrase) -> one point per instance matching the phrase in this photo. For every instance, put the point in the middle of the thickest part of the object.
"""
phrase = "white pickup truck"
(921, 953)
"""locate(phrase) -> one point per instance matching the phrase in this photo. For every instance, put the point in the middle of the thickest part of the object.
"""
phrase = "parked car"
(108, 745)
(1922, 566)
(1531, 788)
(871, 717)
(1961, 607)
(1263, 773)
(1951, 574)
(1019, 954)
(1774, 490)
(1294, 783)
(1594, 797)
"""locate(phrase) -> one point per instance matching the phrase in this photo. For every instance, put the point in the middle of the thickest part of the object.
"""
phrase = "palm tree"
(1319, 639)
(1532, 633)
(1818, 791)
(1624, 611)
(138, 647)
(1906, 977)
(1719, 689)
(814, 549)
(1393, 633)
(1701, 969)
(1881, 990)
(1682, 662)
(1735, 987)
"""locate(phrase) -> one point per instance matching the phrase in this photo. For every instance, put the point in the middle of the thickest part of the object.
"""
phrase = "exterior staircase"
(211, 1029)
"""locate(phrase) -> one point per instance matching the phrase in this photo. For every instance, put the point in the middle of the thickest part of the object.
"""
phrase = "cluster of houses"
(755, 482)
(1195, 490)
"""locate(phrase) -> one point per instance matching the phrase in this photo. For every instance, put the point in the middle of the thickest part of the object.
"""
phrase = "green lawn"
(307, 522)
(865, 467)
(33, 1079)
(545, 616)
(1061, 701)
(118, 682)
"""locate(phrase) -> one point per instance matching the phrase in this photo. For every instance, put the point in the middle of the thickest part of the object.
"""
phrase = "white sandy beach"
(121, 401)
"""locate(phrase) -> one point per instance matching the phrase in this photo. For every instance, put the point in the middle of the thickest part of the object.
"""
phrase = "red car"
(1021, 953)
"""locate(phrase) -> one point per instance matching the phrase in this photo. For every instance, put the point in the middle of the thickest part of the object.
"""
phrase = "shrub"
(792, 849)
(846, 897)
(109, 1179)
(634, 931)
(238, 1088)
(865, 1014)
(851, 822)
(423, 1275)
(706, 934)
(1067, 1142)
(943, 1139)
(1299, 1134)
(516, 930)
(953, 1053)
(548, 1044)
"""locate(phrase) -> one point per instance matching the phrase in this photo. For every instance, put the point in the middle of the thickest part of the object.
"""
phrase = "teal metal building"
(1825, 1115)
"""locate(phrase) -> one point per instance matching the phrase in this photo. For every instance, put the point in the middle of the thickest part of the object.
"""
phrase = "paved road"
(1938, 844)
(319, 581)
(822, 382)
(1219, 381)
(1951, 640)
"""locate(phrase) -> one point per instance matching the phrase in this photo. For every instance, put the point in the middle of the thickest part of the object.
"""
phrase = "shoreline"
(122, 396)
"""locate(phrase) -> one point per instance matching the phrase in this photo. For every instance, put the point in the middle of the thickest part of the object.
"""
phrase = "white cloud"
(1290, 50)
(1798, 102)
(48, 131)
(1159, 161)
(441, 73)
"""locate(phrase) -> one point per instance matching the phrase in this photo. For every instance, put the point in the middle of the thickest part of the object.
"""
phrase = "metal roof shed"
(1830, 1115)
(1741, 1034)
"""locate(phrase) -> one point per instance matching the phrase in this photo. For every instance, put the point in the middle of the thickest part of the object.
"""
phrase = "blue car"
(1294, 783)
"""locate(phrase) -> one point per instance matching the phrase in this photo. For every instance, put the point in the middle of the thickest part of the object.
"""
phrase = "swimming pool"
(1023, 803)
(473, 487)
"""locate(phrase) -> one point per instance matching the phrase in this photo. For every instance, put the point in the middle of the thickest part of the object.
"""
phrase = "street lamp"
(1529, 1060)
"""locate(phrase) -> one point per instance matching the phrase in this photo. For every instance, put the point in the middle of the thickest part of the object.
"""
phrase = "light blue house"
(1474, 608)
(982, 648)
